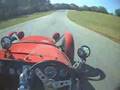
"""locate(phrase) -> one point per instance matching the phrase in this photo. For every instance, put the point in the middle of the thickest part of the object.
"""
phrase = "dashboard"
(12, 67)
(10, 71)
(53, 70)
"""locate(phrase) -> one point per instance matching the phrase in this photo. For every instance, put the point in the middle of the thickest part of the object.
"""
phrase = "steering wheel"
(42, 76)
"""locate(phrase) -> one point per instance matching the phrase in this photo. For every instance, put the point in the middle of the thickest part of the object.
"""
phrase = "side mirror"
(6, 42)
(56, 36)
(84, 52)
(20, 35)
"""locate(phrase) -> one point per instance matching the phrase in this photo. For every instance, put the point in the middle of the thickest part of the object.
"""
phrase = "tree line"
(117, 12)
(83, 8)
(99, 9)
(14, 8)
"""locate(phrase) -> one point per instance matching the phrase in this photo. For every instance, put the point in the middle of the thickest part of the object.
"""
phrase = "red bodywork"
(34, 49)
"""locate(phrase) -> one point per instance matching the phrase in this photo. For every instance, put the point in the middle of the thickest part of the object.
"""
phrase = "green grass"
(11, 22)
(104, 24)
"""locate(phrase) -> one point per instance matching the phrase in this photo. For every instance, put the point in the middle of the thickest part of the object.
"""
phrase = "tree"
(13, 8)
(117, 12)
(86, 8)
(94, 8)
(103, 10)
(74, 7)
(62, 6)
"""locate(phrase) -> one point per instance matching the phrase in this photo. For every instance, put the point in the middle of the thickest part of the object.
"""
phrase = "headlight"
(6, 42)
(84, 51)
(50, 71)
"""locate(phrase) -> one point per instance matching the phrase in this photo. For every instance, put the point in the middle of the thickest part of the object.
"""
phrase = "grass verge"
(104, 24)
(11, 22)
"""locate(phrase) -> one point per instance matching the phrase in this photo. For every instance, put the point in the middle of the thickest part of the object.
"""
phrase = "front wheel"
(68, 46)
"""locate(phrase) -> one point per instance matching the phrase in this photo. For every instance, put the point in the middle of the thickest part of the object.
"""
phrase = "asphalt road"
(105, 54)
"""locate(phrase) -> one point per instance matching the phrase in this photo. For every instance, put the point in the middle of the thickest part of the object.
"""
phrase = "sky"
(110, 5)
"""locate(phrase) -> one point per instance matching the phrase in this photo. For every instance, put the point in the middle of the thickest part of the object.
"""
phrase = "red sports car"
(38, 62)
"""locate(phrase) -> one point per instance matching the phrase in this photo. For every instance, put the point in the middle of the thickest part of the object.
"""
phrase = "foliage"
(100, 9)
(61, 6)
(94, 8)
(117, 12)
(14, 8)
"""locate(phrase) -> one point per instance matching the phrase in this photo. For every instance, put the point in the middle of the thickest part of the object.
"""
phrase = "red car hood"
(34, 49)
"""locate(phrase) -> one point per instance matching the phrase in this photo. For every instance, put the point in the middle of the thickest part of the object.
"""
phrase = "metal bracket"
(60, 84)
(41, 76)
(76, 65)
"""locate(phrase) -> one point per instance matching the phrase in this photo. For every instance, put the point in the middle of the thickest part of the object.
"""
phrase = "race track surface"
(104, 62)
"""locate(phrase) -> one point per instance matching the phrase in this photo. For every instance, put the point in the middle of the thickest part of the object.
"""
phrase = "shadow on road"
(88, 73)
